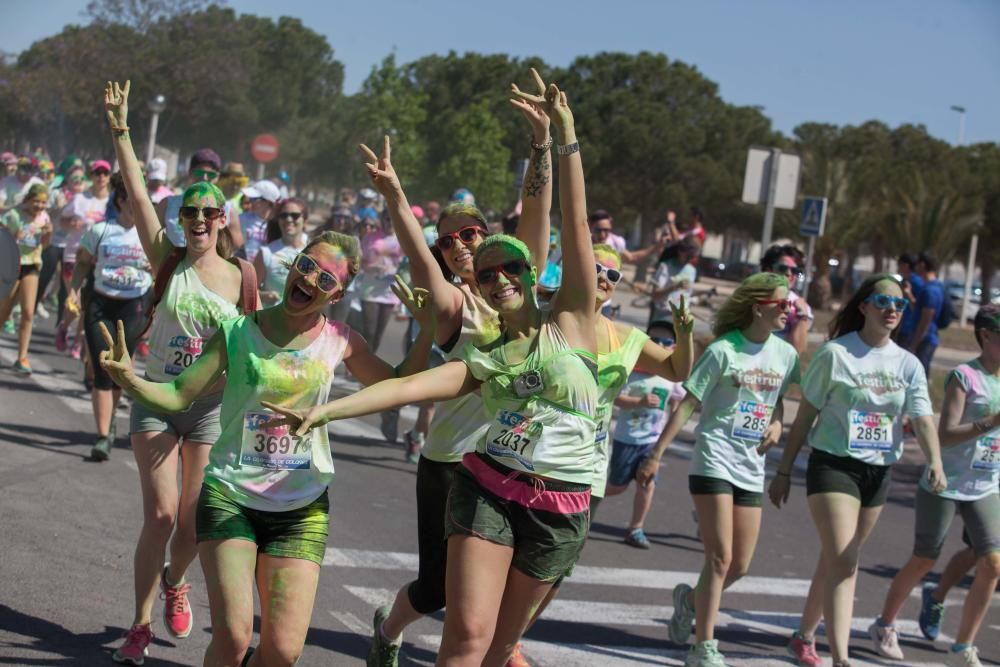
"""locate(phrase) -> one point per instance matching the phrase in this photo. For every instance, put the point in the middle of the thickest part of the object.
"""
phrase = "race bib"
(987, 454)
(273, 448)
(870, 431)
(512, 436)
(751, 420)
(602, 425)
(182, 351)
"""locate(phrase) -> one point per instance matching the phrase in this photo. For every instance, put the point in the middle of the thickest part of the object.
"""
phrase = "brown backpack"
(248, 302)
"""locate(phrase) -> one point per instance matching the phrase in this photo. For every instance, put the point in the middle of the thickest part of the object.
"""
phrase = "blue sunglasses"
(885, 302)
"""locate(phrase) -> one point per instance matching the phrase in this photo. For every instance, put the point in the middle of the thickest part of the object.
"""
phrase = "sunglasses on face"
(325, 281)
(100, 172)
(205, 174)
(787, 270)
(210, 212)
(511, 269)
(613, 276)
(784, 305)
(885, 302)
(662, 340)
(465, 235)
(602, 230)
(290, 215)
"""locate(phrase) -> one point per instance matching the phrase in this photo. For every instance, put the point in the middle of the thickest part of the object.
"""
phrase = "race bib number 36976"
(870, 431)
(275, 447)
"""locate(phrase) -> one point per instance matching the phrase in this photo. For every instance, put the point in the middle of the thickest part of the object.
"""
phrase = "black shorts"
(867, 482)
(29, 270)
(100, 308)
(700, 485)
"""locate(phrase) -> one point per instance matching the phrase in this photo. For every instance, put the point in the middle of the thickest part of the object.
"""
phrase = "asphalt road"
(68, 528)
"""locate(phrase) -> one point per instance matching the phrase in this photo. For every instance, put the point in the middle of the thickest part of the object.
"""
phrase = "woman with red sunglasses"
(518, 508)
(446, 270)
(198, 287)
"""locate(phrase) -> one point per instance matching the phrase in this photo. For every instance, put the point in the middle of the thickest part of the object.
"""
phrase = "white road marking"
(352, 622)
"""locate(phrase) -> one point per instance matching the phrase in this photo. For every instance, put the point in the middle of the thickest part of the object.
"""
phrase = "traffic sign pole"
(811, 224)
(772, 189)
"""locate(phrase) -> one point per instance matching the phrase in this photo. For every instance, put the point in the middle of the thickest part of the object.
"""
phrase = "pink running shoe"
(177, 614)
(134, 651)
(517, 658)
(76, 350)
(61, 335)
(803, 651)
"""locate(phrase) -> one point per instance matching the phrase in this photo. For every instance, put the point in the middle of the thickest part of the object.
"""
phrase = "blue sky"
(840, 61)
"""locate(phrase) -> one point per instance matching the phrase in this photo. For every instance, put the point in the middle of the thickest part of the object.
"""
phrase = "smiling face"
(774, 312)
(879, 322)
(505, 292)
(292, 220)
(36, 205)
(458, 257)
(303, 295)
(605, 288)
(202, 234)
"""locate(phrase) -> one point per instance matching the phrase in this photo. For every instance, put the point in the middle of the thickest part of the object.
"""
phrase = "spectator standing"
(930, 302)
(913, 285)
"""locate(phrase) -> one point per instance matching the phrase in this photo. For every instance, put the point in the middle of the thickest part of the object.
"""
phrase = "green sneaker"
(383, 653)
(679, 629)
(705, 654)
(8, 327)
(101, 451)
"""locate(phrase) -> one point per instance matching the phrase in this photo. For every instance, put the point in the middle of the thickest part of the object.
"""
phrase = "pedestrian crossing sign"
(813, 216)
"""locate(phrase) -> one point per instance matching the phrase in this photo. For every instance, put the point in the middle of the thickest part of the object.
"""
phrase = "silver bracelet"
(569, 149)
(544, 147)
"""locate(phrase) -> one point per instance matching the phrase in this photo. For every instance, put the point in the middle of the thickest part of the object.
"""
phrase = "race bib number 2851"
(870, 431)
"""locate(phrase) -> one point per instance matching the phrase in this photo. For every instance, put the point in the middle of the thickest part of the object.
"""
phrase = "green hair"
(604, 250)
(35, 190)
(467, 210)
(348, 245)
(508, 242)
(204, 188)
(737, 311)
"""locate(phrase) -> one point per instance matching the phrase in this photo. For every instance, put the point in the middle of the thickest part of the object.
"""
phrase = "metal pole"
(152, 137)
(260, 171)
(970, 269)
(809, 264)
(772, 190)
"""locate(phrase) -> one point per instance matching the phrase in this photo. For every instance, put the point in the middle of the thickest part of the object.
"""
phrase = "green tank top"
(541, 410)
(270, 469)
(613, 369)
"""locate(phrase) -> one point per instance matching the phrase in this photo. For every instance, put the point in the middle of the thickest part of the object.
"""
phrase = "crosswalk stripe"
(649, 616)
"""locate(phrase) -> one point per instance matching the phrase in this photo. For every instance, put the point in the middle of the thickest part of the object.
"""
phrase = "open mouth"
(505, 293)
(462, 256)
(199, 231)
(300, 295)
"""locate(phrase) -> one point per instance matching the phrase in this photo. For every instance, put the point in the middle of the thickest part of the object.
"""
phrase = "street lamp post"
(156, 105)
(970, 267)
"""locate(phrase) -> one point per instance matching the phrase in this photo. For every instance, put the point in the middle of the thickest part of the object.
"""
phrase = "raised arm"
(147, 224)
(447, 381)
(446, 299)
(536, 193)
(173, 396)
(674, 365)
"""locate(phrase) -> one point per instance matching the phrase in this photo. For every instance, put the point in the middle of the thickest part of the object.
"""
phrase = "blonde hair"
(737, 311)
(606, 251)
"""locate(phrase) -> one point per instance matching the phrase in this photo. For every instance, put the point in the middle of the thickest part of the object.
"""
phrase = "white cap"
(156, 170)
(263, 190)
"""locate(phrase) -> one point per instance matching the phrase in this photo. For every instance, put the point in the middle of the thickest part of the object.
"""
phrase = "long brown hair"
(849, 318)
(274, 222)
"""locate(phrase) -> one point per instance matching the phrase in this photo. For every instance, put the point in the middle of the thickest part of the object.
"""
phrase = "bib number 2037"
(514, 441)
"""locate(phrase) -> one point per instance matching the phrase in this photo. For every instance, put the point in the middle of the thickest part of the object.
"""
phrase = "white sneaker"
(967, 658)
(885, 640)
(42, 312)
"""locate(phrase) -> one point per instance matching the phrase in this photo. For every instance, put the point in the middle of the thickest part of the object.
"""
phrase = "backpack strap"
(249, 298)
(163, 275)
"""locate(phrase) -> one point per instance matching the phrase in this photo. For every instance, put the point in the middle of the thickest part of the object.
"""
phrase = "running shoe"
(390, 424)
(804, 651)
(705, 654)
(42, 311)
(885, 640)
(134, 651)
(517, 658)
(637, 538)
(968, 657)
(177, 614)
(62, 333)
(22, 367)
(679, 629)
(101, 451)
(76, 349)
(414, 443)
(383, 653)
(8, 326)
(931, 613)
(142, 350)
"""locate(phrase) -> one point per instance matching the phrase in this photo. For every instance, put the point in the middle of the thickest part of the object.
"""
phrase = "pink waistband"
(516, 488)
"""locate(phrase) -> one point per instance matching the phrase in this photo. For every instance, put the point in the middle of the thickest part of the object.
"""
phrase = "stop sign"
(264, 148)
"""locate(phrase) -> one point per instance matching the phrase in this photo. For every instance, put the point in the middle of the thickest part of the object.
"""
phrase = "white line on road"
(352, 622)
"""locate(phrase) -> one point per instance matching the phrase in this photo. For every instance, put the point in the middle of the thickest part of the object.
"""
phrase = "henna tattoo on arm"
(539, 173)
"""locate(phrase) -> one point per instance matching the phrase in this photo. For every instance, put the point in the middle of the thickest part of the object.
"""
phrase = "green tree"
(477, 158)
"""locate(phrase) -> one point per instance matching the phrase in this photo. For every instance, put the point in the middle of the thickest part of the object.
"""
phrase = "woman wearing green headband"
(518, 510)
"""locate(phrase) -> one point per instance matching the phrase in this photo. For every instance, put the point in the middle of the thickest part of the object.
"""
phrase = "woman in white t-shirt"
(857, 389)
(739, 384)
(285, 240)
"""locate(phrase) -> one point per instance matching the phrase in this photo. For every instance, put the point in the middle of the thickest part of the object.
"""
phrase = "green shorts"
(546, 544)
(827, 473)
(299, 533)
(700, 485)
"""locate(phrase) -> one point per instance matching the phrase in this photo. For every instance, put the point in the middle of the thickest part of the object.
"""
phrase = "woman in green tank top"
(263, 510)
(529, 481)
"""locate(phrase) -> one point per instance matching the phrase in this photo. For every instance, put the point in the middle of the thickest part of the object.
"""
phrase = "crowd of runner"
(519, 371)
